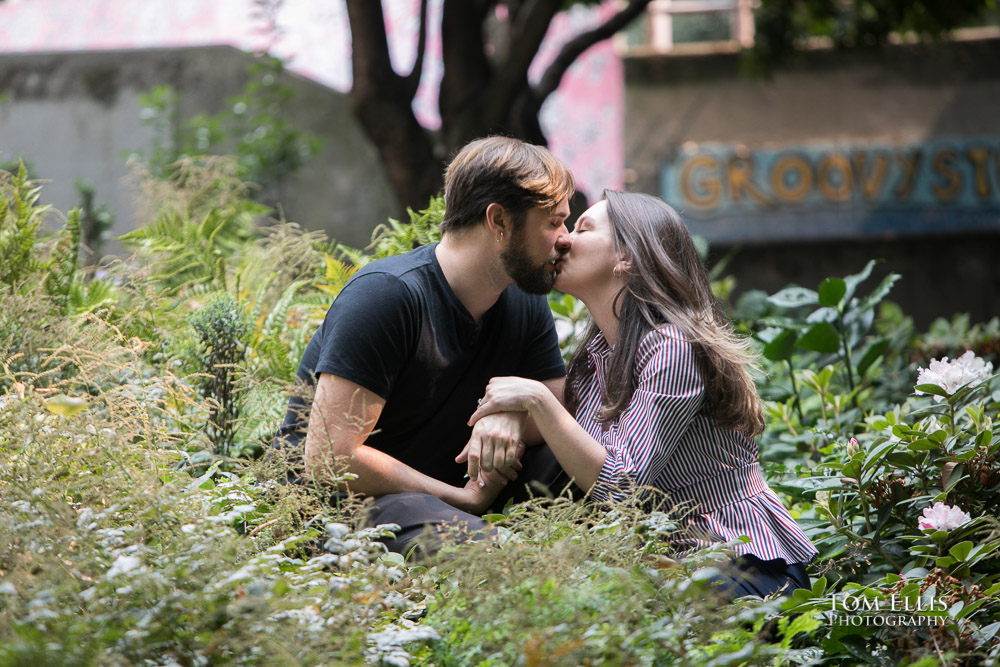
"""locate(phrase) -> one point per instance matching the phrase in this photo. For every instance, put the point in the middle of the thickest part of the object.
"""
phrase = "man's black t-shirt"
(398, 330)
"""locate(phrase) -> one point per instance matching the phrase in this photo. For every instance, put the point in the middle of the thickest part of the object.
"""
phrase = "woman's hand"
(508, 394)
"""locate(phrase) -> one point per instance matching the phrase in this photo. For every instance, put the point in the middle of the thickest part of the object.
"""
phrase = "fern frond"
(396, 238)
(89, 297)
(20, 217)
(63, 263)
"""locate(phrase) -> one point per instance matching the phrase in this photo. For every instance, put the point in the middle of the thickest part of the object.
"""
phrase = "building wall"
(76, 115)
(582, 120)
(940, 101)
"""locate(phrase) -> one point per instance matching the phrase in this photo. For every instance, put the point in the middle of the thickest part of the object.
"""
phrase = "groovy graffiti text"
(964, 173)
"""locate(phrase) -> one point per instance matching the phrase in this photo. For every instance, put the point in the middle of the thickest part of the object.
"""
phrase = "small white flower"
(123, 565)
(84, 518)
(953, 375)
(942, 517)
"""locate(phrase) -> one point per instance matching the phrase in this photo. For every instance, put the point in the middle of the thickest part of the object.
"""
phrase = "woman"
(659, 393)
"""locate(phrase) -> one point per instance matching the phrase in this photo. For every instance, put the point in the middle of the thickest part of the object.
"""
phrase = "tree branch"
(382, 101)
(576, 46)
(413, 79)
(370, 59)
(530, 24)
(467, 71)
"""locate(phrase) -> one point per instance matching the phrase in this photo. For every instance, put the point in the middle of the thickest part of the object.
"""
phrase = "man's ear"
(496, 219)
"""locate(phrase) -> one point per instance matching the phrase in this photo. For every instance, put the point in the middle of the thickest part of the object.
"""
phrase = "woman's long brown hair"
(667, 284)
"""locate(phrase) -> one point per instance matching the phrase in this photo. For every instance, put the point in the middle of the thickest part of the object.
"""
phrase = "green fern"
(184, 251)
(338, 273)
(20, 217)
(63, 263)
(91, 296)
(270, 338)
(396, 238)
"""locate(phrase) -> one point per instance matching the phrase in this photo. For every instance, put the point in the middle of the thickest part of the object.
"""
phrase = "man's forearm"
(379, 474)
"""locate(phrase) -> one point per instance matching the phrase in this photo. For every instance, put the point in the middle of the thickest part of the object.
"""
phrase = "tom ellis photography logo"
(891, 611)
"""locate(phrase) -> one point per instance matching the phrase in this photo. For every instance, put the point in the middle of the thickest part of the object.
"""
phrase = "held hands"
(495, 445)
(477, 494)
(508, 394)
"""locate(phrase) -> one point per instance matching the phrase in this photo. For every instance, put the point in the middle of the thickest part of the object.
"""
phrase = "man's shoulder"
(401, 266)
(399, 275)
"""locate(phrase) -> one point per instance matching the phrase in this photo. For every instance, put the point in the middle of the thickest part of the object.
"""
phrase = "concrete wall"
(903, 95)
(74, 115)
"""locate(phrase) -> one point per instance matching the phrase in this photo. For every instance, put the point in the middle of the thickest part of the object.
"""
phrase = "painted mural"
(583, 120)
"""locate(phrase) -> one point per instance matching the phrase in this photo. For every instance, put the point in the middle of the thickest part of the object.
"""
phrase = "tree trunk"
(382, 101)
(484, 87)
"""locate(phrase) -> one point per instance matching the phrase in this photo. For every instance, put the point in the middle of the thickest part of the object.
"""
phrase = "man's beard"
(523, 270)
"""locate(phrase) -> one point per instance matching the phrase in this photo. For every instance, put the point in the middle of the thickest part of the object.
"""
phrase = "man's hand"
(477, 494)
(496, 444)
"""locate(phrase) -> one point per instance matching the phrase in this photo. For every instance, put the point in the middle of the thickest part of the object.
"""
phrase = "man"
(410, 343)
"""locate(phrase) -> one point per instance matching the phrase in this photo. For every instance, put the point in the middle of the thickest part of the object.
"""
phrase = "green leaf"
(805, 484)
(852, 281)
(874, 351)
(990, 631)
(932, 389)
(902, 459)
(969, 609)
(834, 548)
(821, 337)
(982, 550)
(924, 445)
(819, 587)
(878, 293)
(961, 550)
(822, 315)
(831, 291)
(857, 647)
(392, 558)
(781, 348)
(877, 454)
(794, 297)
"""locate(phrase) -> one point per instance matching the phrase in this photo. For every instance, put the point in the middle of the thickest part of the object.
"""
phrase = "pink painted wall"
(583, 120)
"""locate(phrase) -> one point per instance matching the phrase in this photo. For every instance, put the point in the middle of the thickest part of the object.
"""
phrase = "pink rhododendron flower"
(942, 517)
(968, 369)
(853, 447)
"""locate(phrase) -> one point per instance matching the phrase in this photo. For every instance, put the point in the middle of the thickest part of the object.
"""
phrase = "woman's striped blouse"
(663, 440)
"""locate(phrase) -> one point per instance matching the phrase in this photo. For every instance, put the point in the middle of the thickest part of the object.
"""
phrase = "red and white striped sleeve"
(669, 393)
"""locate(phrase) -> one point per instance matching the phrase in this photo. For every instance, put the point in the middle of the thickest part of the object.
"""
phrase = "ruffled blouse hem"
(772, 531)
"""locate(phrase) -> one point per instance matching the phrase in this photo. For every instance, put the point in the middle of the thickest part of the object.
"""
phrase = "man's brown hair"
(506, 171)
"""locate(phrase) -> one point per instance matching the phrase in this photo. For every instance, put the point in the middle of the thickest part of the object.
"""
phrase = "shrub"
(124, 539)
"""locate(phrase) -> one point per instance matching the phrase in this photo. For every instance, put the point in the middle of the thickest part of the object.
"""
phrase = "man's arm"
(343, 416)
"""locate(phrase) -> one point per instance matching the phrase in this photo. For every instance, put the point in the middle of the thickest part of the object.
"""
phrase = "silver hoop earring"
(499, 236)
(616, 272)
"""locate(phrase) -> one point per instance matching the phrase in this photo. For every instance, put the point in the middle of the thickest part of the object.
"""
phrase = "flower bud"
(853, 448)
